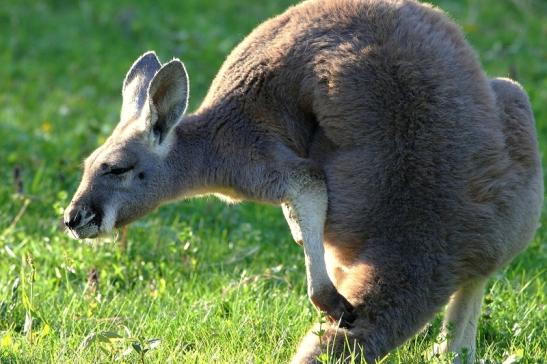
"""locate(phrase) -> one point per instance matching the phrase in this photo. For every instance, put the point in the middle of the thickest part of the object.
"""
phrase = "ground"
(196, 281)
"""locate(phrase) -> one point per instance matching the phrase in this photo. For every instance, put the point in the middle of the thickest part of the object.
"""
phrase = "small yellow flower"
(6, 341)
(46, 127)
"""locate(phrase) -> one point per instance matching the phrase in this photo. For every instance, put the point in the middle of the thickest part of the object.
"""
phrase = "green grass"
(213, 283)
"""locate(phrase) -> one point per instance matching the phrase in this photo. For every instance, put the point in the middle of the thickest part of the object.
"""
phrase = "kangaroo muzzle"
(82, 221)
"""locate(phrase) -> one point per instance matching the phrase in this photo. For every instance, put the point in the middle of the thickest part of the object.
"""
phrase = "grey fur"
(168, 97)
(432, 170)
(137, 80)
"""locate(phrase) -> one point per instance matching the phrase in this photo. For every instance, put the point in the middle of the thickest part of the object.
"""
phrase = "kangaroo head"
(122, 179)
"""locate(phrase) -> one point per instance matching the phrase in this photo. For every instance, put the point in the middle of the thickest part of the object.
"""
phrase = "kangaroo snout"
(76, 217)
(82, 221)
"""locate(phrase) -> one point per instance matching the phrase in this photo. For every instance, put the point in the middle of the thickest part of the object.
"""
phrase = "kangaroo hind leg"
(459, 331)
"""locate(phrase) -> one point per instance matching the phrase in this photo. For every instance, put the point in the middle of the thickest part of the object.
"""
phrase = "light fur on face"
(109, 219)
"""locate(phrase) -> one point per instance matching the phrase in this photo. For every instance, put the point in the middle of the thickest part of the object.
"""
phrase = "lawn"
(196, 281)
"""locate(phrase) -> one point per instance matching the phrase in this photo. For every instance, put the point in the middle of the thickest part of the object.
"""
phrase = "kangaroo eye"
(120, 170)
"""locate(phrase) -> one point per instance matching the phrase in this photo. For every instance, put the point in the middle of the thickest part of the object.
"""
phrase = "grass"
(195, 281)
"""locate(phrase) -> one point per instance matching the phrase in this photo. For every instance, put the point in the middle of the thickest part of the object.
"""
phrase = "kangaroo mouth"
(89, 228)
(88, 231)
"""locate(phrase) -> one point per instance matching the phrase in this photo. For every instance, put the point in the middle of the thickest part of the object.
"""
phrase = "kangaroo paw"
(335, 306)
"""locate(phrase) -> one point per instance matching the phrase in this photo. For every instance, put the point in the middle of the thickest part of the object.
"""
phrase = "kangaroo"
(407, 175)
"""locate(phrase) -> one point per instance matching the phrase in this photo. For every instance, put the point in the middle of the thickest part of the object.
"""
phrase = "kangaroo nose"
(73, 218)
(77, 216)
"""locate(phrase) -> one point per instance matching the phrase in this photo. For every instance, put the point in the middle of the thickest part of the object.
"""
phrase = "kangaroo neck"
(209, 155)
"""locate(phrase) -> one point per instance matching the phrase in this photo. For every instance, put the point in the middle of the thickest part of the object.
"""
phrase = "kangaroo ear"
(167, 98)
(136, 84)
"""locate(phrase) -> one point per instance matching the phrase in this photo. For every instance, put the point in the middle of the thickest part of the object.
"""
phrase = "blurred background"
(196, 281)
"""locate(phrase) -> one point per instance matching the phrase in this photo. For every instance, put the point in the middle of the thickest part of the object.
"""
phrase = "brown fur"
(432, 170)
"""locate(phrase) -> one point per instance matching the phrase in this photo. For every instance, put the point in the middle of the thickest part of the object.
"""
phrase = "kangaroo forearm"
(305, 212)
